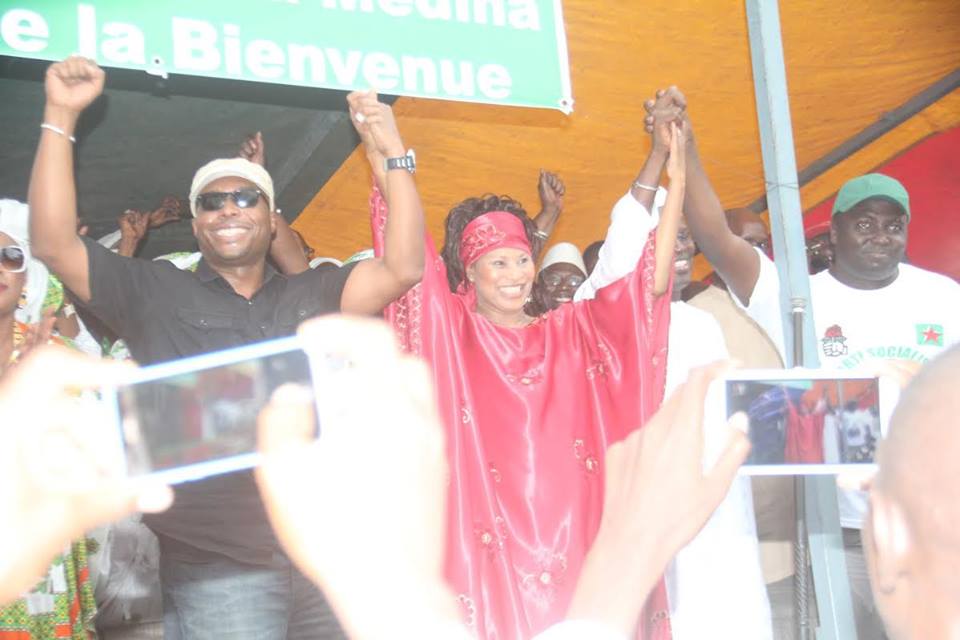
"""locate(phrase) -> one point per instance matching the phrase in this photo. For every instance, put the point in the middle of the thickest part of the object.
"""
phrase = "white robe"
(714, 584)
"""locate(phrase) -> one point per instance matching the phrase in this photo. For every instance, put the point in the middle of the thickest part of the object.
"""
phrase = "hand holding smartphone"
(805, 421)
(192, 418)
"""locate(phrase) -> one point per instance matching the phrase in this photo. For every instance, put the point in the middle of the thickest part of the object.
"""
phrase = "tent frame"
(817, 514)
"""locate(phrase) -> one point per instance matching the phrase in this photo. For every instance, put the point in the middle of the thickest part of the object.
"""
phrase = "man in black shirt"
(223, 574)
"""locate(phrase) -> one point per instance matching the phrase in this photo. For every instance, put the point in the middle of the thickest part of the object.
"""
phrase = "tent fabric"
(932, 171)
(848, 64)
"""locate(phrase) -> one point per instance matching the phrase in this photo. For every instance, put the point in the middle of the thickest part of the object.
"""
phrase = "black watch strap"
(407, 162)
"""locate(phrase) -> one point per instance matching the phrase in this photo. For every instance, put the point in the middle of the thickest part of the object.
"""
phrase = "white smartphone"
(196, 417)
(808, 421)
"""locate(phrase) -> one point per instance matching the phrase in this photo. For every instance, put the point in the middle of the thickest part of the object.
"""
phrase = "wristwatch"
(408, 162)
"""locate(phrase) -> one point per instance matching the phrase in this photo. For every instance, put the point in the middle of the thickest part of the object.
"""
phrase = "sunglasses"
(554, 280)
(214, 200)
(13, 259)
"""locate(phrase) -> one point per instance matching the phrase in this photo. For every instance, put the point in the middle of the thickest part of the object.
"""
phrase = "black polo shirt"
(164, 313)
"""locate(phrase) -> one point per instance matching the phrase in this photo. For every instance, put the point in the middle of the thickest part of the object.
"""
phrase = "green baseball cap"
(872, 185)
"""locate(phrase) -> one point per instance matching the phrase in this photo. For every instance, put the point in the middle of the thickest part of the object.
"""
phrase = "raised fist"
(74, 83)
(254, 150)
(551, 190)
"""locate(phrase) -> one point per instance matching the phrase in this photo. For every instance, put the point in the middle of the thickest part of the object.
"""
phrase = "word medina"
(517, 14)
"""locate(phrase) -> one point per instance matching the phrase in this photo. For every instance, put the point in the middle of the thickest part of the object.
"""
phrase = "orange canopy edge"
(848, 64)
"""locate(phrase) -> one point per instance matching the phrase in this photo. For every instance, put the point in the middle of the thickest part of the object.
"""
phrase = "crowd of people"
(539, 460)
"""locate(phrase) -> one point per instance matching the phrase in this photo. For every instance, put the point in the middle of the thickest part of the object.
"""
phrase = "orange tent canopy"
(848, 64)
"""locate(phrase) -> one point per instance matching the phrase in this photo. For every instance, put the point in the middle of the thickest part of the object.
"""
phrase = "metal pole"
(817, 514)
(801, 577)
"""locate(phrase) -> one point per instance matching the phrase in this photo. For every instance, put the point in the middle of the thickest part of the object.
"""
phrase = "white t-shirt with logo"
(915, 317)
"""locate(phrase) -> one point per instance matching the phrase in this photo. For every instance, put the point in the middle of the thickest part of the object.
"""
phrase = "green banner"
(510, 52)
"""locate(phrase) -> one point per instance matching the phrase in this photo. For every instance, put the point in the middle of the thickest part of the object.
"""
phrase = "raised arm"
(285, 249)
(374, 284)
(671, 212)
(732, 257)
(551, 190)
(644, 187)
(632, 218)
(133, 229)
(71, 86)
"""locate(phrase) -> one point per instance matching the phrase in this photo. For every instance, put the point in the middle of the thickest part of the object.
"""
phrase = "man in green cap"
(869, 305)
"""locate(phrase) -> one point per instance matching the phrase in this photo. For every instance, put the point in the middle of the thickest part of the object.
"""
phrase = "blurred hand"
(254, 150)
(658, 470)
(657, 498)
(170, 210)
(38, 334)
(133, 224)
(901, 371)
(133, 229)
(73, 84)
(361, 510)
(60, 463)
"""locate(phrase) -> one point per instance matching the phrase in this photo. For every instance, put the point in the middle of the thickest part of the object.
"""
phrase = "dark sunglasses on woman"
(13, 259)
(214, 200)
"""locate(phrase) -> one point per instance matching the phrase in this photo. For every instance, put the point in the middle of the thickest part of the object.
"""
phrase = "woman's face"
(503, 279)
(11, 284)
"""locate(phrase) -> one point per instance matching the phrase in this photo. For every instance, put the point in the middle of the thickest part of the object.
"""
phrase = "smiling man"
(561, 274)
(222, 572)
(868, 305)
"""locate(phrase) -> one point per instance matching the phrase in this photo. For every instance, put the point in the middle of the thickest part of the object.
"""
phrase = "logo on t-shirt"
(930, 334)
(834, 342)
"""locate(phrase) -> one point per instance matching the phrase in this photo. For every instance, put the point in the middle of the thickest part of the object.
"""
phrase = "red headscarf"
(492, 230)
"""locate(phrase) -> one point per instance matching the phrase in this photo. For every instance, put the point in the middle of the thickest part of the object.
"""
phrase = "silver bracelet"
(543, 235)
(639, 185)
(57, 129)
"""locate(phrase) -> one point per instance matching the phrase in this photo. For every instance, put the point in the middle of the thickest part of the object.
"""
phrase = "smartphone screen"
(810, 425)
(202, 420)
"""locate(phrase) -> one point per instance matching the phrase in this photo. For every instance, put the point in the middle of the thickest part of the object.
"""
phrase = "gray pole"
(817, 517)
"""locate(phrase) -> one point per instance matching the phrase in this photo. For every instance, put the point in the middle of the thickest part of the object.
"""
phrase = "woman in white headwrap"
(14, 221)
(62, 604)
(42, 292)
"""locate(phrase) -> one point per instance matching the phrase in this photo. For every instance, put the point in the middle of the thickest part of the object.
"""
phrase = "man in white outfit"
(715, 585)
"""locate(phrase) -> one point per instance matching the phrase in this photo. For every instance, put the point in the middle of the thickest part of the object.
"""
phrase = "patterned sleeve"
(407, 314)
(629, 305)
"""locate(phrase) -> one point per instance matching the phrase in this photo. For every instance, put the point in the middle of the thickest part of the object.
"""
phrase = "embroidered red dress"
(529, 413)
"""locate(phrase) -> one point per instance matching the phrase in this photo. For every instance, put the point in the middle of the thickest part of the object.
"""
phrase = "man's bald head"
(912, 535)
(748, 224)
(923, 444)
